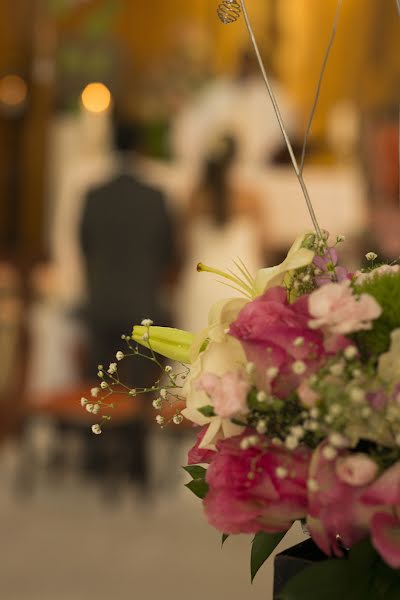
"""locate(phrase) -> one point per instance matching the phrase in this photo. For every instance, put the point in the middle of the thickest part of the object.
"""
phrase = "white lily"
(297, 258)
(218, 358)
(250, 286)
(222, 354)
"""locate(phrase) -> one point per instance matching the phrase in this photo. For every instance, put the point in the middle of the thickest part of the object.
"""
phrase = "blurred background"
(136, 139)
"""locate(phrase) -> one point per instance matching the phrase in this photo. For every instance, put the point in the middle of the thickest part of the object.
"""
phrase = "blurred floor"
(66, 543)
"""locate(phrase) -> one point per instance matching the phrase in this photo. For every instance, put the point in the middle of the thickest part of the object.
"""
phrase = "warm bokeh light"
(96, 97)
(13, 90)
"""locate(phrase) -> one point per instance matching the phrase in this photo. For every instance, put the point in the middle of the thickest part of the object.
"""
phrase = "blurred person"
(224, 222)
(126, 237)
(241, 105)
(54, 337)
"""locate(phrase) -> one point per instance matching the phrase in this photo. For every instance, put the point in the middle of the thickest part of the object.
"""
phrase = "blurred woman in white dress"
(224, 222)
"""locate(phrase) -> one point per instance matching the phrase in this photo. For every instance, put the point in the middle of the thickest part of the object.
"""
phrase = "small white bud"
(340, 238)
(100, 374)
(145, 337)
(357, 395)
(314, 413)
(250, 368)
(306, 278)
(104, 385)
(112, 368)
(272, 372)
(261, 427)
(335, 409)
(311, 425)
(168, 369)
(366, 412)
(96, 409)
(253, 440)
(96, 429)
(276, 441)
(336, 369)
(299, 367)
(371, 256)
(94, 392)
(147, 322)
(281, 472)
(312, 485)
(291, 442)
(338, 440)
(299, 341)
(132, 392)
(84, 402)
(244, 444)
(89, 407)
(297, 431)
(157, 403)
(261, 396)
(120, 355)
(177, 419)
(329, 452)
(160, 419)
(350, 352)
(163, 393)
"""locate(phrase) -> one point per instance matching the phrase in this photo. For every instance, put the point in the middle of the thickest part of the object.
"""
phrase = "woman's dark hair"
(214, 181)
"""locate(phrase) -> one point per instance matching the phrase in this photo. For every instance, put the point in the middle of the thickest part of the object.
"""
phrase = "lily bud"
(169, 342)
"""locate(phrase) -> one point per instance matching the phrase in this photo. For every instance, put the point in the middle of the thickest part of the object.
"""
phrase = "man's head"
(126, 135)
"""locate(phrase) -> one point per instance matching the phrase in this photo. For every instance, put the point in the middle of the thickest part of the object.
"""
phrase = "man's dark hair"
(126, 135)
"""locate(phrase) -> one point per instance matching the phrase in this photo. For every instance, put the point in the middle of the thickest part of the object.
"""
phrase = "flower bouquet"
(294, 388)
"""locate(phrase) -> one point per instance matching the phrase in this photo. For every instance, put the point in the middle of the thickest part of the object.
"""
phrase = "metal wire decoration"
(229, 11)
(298, 168)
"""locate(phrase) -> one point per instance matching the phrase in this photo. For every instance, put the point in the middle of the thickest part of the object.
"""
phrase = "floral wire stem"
(275, 105)
(319, 84)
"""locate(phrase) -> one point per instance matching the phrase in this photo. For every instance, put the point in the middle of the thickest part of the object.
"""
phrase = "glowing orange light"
(13, 90)
(96, 97)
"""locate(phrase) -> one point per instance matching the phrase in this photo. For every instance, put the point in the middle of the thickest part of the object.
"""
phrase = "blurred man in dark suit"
(127, 243)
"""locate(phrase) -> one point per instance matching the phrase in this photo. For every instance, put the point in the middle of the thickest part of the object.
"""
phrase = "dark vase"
(289, 563)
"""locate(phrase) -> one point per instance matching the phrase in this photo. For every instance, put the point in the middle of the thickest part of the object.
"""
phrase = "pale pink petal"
(386, 489)
(385, 532)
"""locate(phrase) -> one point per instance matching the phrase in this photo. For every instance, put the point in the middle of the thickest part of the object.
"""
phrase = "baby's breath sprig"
(168, 384)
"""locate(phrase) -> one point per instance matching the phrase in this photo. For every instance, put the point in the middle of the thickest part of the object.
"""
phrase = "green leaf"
(199, 487)
(207, 411)
(263, 545)
(224, 538)
(195, 471)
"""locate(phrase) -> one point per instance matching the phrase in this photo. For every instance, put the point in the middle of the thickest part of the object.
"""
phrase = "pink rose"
(261, 488)
(356, 469)
(383, 496)
(347, 499)
(337, 310)
(276, 334)
(335, 507)
(227, 393)
(198, 455)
